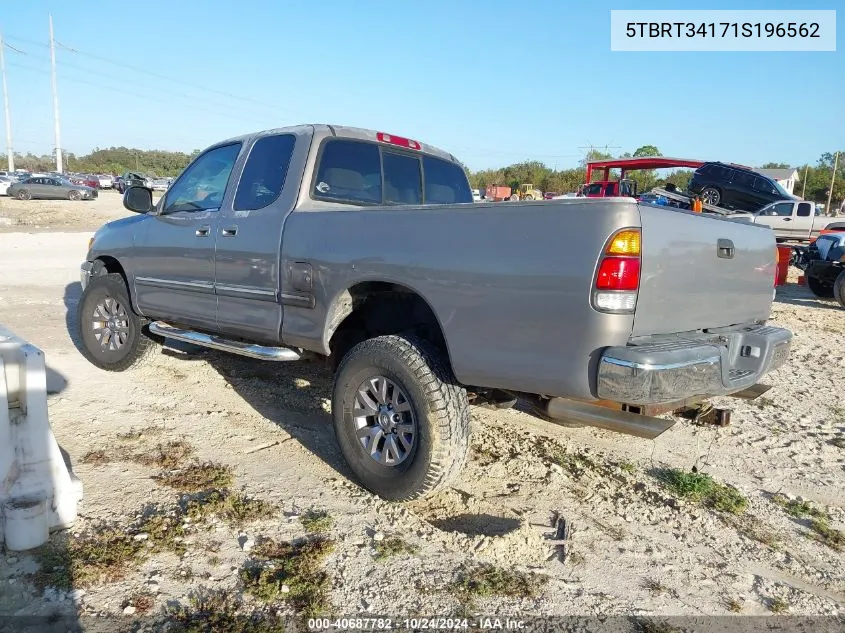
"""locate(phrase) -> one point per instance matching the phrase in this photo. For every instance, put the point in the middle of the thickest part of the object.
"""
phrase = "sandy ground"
(61, 215)
(635, 548)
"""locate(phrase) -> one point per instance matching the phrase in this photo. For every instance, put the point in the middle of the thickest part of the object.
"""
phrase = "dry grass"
(393, 546)
(167, 455)
(316, 521)
(292, 572)
(96, 458)
(702, 488)
(779, 606)
(143, 602)
(487, 580)
(133, 435)
(235, 508)
(197, 477)
(219, 611)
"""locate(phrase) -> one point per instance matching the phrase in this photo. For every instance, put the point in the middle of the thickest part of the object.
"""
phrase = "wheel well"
(372, 309)
(109, 265)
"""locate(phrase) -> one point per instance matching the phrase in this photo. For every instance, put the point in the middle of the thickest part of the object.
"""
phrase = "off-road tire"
(439, 405)
(137, 347)
(714, 194)
(839, 289)
(819, 288)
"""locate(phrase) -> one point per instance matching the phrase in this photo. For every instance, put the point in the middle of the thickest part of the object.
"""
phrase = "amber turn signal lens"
(625, 242)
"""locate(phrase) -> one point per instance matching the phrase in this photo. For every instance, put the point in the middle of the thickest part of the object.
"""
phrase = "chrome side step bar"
(565, 410)
(252, 350)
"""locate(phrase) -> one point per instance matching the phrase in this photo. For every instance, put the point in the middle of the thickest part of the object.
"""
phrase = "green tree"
(646, 150)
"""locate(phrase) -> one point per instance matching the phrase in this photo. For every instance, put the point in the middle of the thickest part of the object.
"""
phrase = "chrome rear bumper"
(678, 368)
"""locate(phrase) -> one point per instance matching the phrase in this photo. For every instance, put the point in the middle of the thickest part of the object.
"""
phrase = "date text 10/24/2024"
(415, 624)
(723, 30)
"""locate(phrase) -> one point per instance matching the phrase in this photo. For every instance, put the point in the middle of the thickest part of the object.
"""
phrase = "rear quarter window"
(349, 171)
(445, 182)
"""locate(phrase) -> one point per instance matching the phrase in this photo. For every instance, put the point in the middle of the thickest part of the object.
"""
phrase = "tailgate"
(684, 283)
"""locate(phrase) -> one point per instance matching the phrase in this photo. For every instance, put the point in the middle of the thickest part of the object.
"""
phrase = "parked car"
(160, 184)
(320, 246)
(823, 263)
(45, 187)
(84, 179)
(549, 195)
(5, 182)
(735, 188)
(795, 220)
(133, 179)
(105, 181)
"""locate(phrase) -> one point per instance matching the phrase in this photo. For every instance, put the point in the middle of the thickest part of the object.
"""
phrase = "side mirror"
(138, 199)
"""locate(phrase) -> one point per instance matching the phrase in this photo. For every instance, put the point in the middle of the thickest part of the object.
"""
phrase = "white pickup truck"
(793, 220)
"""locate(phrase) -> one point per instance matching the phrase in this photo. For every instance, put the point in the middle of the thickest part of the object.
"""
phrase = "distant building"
(786, 178)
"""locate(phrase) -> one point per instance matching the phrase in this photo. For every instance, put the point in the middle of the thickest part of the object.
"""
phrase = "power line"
(181, 82)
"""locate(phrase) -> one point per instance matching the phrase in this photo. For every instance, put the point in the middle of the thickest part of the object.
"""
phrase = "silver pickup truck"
(793, 220)
(366, 248)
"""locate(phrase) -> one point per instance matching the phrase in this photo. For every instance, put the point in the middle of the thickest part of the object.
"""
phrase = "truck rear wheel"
(111, 333)
(400, 417)
(819, 288)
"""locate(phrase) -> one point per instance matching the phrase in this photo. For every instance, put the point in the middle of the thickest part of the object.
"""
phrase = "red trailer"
(498, 193)
(603, 187)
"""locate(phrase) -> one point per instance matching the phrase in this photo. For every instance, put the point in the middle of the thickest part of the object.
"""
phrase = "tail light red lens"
(619, 273)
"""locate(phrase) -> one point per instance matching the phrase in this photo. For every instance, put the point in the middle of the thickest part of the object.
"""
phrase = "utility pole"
(10, 155)
(804, 182)
(832, 181)
(59, 167)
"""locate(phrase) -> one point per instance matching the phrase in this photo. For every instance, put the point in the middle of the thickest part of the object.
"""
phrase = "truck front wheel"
(819, 288)
(839, 289)
(400, 417)
(110, 332)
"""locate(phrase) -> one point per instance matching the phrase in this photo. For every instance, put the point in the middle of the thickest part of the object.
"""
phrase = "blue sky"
(493, 82)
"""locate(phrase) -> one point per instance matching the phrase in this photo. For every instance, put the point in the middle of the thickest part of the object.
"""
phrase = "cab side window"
(782, 209)
(805, 209)
(264, 172)
(203, 184)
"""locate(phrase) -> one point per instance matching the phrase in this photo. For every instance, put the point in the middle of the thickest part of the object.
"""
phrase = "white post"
(59, 167)
(9, 152)
(828, 210)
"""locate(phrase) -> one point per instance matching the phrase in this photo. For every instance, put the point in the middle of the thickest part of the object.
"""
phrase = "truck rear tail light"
(397, 140)
(618, 275)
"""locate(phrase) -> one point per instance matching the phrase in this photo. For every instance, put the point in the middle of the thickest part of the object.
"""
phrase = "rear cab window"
(366, 173)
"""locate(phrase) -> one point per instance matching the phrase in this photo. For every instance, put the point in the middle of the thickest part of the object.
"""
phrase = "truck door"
(802, 222)
(249, 238)
(779, 217)
(173, 259)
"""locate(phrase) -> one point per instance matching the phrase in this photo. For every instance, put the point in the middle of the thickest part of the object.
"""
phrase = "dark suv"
(734, 187)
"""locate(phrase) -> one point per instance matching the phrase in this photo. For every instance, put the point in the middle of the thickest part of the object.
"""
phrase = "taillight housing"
(399, 141)
(617, 279)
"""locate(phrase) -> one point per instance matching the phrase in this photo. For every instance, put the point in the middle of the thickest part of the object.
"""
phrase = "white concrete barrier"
(37, 491)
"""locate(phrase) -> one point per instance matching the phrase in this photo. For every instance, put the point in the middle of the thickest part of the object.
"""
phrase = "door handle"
(787, 219)
(203, 231)
(724, 248)
(231, 231)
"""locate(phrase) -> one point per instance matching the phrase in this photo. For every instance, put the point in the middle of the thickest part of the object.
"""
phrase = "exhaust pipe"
(565, 410)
